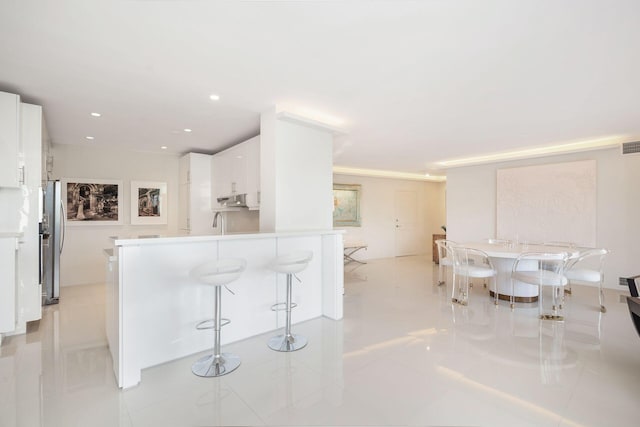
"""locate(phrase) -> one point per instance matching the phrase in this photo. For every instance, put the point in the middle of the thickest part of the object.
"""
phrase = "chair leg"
(462, 295)
(288, 341)
(512, 298)
(440, 277)
(216, 364)
(555, 301)
(495, 292)
(603, 309)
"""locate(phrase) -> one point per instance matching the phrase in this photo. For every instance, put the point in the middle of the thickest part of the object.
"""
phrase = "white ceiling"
(415, 82)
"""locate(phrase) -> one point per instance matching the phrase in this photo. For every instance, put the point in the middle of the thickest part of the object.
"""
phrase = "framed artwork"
(148, 202)
(346, 205)
(92, 201)
(548, 203)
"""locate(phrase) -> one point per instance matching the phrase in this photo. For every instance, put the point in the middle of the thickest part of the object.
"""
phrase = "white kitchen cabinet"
(253, 173)
(29, 293)
(237, 171)
(194, 210)
(8, 248)
(10, 168)
(220, 177)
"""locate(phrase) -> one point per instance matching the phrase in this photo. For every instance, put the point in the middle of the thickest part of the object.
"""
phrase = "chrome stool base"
(292, 342)
(210, 366)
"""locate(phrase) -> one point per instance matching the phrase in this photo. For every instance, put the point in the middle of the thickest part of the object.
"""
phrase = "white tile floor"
(403, 355)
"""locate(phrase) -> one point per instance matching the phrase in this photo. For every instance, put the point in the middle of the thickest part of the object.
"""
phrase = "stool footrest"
(282, 306)
(211, 324)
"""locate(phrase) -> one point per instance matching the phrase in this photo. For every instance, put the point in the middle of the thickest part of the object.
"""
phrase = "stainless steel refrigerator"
(52, 231)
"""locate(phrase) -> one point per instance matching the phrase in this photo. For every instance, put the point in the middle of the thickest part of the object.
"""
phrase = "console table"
(352, 248)
(436, 253)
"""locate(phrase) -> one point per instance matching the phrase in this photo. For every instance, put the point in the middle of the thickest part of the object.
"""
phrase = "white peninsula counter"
(153, 305)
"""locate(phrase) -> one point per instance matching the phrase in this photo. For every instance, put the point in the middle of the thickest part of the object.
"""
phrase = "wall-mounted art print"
(148, 202)
(548, 203)
(92, 201)
(346, 205)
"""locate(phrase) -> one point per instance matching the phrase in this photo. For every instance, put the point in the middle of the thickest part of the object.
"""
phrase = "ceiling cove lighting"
(309, 114)
(571, 147)
(388, 174)
(187, 130)
(96, 114)
(214, 97)
(90, 138)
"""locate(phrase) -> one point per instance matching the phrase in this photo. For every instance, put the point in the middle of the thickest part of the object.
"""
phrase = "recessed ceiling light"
(96, 114)
(164, 147)
(187, 130)
(214, 97)
(90, 138)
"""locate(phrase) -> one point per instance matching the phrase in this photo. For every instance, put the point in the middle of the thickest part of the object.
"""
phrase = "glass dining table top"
(513, 250)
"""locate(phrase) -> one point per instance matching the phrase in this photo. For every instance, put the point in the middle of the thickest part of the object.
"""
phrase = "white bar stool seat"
(217, 273)
(289, 264)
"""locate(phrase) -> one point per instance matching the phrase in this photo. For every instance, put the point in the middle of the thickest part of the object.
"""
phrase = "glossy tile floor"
(403, 355)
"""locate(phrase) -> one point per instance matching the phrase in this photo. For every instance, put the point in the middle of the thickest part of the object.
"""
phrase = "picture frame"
(148, 202)
(89, 201)
(346, 205)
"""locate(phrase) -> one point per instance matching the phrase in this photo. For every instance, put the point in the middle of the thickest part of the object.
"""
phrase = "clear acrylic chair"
(542, 270)
(468, 264)
(445, 258)
(574, 273)
(562, 244)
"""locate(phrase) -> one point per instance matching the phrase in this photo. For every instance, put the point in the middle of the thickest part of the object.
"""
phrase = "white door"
(406, 223)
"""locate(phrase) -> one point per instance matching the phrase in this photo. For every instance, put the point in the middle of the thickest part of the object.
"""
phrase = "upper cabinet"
(11, 171)
(237, 171)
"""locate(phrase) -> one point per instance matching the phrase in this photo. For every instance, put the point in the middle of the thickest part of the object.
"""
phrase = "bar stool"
(217, 273)
(289, 264)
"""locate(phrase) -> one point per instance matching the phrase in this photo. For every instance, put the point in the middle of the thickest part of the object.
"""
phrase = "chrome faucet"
(215, 221)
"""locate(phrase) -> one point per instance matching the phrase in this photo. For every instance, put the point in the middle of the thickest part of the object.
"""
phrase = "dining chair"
(561, 244)
(542, 270)
(575, 273)
(445, 258)
(468, 264)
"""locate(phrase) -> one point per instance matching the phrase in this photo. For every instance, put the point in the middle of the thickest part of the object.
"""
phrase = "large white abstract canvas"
(543, 203)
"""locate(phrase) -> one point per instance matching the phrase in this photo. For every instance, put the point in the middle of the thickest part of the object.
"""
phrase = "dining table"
(504, 254)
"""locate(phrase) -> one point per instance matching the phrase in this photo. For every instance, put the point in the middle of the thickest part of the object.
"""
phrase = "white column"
(296, 178)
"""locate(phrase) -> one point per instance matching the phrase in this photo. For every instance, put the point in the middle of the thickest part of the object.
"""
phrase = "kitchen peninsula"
(153, 305)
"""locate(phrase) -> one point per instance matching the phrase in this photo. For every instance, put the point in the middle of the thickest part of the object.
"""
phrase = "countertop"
(155, 239)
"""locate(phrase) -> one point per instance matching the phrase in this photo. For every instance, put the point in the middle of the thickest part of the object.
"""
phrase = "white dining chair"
(575, 271)
(445, 258)
(468, 264)
(545, 270)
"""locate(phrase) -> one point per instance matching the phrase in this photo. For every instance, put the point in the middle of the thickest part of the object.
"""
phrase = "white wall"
(378, 213)
(471, 205)
(82, 261)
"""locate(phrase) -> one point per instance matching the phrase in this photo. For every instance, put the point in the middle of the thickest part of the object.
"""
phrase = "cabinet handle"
(21, 175)
(233, 188)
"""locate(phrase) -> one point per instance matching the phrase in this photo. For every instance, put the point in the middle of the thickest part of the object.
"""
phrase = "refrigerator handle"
(63, 225)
